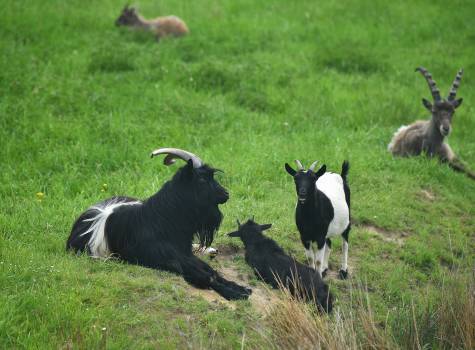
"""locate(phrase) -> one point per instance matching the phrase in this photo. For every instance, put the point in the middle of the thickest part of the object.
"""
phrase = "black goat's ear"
(265, 227)
(456, 103)
(427, 104)
(234, 234)
(189, 169)
(321, 171)
(289, 169)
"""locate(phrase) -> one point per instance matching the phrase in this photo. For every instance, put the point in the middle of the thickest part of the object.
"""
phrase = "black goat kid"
(158, 232)
(273, 266)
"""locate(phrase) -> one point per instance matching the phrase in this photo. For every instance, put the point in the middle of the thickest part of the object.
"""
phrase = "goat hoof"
(324, 273)
(343, 274)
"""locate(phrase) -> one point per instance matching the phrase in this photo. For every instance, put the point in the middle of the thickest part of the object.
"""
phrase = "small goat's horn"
(299, 165)
(176, 153)
(312, 167)
(432, 85)
(455, 85)
(239, 224)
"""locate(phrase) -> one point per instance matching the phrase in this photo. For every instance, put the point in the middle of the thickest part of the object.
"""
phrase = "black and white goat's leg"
(309, 254)
(343, 273)
(315, 252)
(326, 256)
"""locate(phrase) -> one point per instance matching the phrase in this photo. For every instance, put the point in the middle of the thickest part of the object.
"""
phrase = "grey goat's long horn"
(432, 84)
(314, 164)
(299, 165)
(176, 153)
(455, 85)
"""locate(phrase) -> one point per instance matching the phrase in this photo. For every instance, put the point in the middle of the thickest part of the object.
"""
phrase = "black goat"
(323, 211)
(273, 266)
(158, 231)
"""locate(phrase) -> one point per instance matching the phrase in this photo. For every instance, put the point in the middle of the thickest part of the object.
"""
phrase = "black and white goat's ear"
(265, 226)
(321, 171)
(456, 103)
(427, 104)
(289, 169)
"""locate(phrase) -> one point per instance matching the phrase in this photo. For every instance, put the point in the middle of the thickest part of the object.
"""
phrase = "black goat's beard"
(210, 224)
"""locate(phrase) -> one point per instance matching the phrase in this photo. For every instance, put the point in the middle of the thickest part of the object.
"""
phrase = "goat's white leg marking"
(326, 257)
(318, 256)
(310, 257)
(344, 258)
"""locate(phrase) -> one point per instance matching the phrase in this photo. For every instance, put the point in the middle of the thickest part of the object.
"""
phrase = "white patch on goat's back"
(331, 185)
(98, 242)
(393, 140)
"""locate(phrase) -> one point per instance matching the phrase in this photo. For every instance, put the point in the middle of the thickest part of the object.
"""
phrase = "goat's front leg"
(318, 249)
(197, 272)
(446, 155)
(309, 254)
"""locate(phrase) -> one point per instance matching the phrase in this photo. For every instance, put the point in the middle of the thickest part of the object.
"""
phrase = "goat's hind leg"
(343, 273)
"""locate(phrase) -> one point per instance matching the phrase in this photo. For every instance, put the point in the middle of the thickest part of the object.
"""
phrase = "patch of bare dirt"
(386, 235)
(427, 195)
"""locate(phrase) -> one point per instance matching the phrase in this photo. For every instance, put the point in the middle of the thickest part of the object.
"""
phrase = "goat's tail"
(345, 168)
(457, 165)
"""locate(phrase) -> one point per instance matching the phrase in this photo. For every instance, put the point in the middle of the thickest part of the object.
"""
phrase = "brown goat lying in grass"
(427, 136)
(161, 26)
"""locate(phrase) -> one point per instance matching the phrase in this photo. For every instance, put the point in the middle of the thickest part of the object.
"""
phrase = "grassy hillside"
(254, 85)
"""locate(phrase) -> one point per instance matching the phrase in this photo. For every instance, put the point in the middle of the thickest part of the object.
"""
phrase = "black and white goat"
(273, 266)
(322, 212)
(158, 231)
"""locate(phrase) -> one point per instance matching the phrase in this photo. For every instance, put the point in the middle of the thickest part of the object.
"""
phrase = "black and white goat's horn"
(299, 165)
(432, 85)
(176, 153)
(312, 167)
(455, 85)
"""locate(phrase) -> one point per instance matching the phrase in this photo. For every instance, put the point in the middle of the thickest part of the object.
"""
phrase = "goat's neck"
(141, 22)
(433, 137)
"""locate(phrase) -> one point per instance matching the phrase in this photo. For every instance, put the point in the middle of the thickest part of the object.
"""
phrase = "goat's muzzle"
(222, 197)
(445, 130)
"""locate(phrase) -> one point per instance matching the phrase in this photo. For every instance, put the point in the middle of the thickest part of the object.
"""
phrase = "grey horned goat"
(427, 136)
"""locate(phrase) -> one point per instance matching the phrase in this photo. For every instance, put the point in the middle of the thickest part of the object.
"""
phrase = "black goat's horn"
(312, 167)
(432, 84)
(239, 224)
(455, 85)
(176, 153)
(299, 165)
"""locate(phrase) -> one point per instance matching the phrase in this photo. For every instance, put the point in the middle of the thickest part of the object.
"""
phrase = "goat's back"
(170, 25)
(408, 139)
(332, 186)
(273, 266)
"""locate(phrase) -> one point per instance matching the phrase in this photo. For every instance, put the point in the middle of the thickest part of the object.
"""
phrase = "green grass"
(255, 85)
